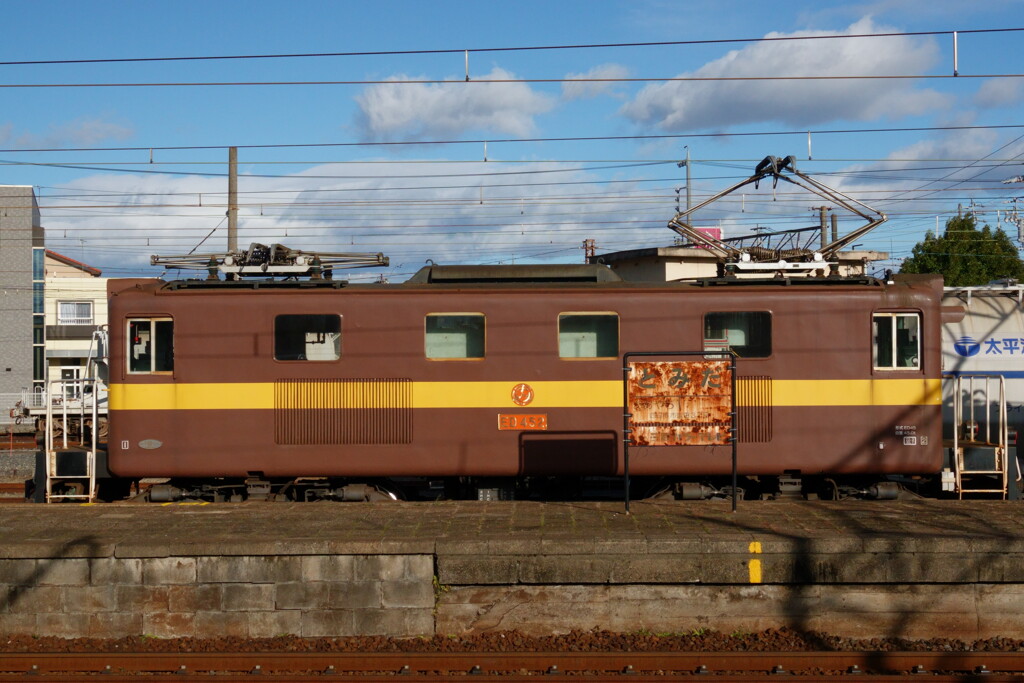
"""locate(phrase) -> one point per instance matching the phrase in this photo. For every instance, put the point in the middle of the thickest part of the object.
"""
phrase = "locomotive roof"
(562, 272)
(521, 276)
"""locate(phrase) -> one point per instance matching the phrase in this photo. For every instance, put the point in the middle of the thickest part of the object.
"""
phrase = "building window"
(588, 335)
(38, 364)
(747, 334)
(454, 336)
(897, 341)
(38, 297)
(74, 313)
(71, 381)
(150, 345)
(312, 337)
(38, 264)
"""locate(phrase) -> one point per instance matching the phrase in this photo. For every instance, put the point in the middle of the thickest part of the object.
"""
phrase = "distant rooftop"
(67, 261)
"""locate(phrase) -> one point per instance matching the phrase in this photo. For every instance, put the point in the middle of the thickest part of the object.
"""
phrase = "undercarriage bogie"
(256, 489)
(788, 487)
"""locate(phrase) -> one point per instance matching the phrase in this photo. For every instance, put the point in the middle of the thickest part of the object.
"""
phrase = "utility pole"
(823, 222)
(689, 192)
(232, 199)
(1014, 217)
(589, 250)
(689, 185)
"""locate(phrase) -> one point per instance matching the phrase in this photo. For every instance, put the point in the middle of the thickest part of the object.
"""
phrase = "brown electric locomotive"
(491, 381)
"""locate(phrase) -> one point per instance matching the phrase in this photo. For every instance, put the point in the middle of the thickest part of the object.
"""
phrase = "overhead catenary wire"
(485, 81)
(521, 140)
(580, 46)
(325, 210)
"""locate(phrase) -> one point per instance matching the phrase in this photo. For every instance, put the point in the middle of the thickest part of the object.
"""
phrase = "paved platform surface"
(543, 543)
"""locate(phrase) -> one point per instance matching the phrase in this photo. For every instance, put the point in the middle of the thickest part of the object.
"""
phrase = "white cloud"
(683, 105)
(1000, 92)
(919, 177)
(81, 132)
(420, 111)
(575, 91)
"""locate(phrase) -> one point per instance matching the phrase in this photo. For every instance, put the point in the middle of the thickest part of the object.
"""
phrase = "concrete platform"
(861, 569)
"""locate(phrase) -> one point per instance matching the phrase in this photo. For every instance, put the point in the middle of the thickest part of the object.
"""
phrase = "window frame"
(465, 314)
(78, 320)
(894, 348)
(594, 314)
(771, 333)
(153, 345)
(335, 359)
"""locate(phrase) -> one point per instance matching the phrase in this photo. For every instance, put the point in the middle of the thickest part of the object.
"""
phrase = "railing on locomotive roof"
(736, 256)
(275, 260)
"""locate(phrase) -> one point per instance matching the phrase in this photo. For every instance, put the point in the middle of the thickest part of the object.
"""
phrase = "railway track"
(12, 492)
(505, 666)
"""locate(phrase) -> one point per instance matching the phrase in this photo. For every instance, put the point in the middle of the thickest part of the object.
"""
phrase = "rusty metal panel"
(680, 403)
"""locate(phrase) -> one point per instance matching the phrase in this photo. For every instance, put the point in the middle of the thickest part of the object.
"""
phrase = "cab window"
(454, 336)
(748, 334)
(897, 341)
(150, 345)
(307, 337)
(588, 335)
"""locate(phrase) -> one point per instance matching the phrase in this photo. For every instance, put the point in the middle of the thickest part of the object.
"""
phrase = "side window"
(150, 345)
(74, 313)
(588, 335)
(897, 341)
(454, 336)
(307, 337)
(748, 334)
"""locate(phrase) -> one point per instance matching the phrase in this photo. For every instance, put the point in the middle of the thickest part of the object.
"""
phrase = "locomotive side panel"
(431, 381)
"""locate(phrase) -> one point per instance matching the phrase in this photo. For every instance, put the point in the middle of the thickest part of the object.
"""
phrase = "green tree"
(965, 255)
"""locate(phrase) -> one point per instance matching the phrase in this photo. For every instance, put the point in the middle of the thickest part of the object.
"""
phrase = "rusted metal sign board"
(679, 403)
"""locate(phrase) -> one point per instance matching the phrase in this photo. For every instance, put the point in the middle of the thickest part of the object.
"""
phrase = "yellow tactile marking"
(755, 565)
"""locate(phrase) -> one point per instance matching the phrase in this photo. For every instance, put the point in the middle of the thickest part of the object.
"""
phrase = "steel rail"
(508, 665)
(11, 492)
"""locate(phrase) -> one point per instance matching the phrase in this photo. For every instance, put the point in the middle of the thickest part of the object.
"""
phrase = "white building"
(76, 307)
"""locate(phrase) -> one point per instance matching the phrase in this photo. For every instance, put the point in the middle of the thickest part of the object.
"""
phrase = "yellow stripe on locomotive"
(551, 394)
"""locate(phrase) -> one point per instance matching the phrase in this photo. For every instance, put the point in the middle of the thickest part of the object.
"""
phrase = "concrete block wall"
(424, 594)
(247, 596)
(962, 611)
(19, 231)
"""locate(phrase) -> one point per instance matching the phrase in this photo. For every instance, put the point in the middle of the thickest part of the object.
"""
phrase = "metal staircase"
(980, 436)
(71, 467)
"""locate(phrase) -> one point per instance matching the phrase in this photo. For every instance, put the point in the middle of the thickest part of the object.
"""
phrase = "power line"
(584, 46)
(467, 200)
(480, 141)
(441, 81)
(335, 177)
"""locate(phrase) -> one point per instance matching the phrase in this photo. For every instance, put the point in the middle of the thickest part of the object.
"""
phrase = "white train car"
(983, 367)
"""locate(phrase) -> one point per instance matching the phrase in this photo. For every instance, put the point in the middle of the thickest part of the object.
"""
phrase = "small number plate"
(522, 422)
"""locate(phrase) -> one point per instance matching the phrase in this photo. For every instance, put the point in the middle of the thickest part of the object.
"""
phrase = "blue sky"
(309, 179)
